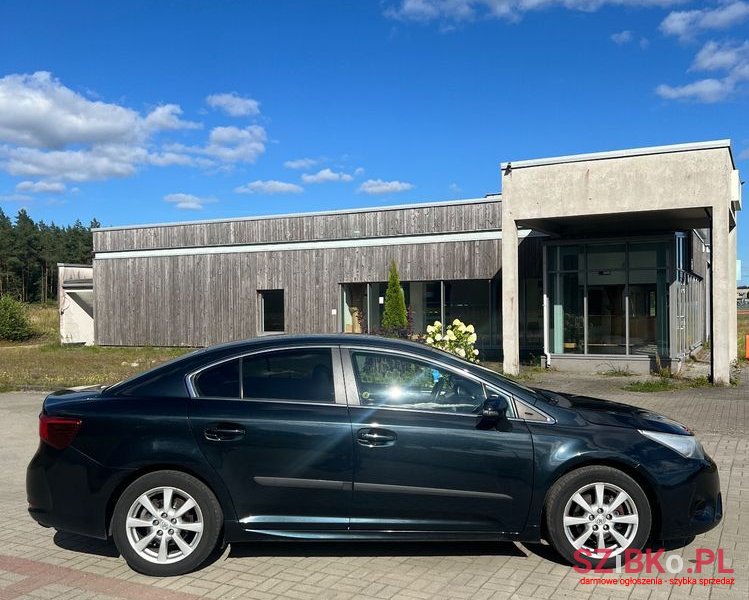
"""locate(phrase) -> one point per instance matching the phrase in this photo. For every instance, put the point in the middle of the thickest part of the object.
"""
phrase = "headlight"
(686, 445)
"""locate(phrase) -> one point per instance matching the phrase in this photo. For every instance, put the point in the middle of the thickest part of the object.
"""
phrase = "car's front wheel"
(166, 523)
(598, 512)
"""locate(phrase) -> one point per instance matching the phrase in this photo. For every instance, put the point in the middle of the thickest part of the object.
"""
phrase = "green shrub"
(14, 320)
(394, 316)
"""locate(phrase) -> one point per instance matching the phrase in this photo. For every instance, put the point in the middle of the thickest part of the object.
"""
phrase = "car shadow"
(85, 545)
(333, 549)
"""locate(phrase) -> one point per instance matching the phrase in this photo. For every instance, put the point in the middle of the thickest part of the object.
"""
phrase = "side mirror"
(494, 412)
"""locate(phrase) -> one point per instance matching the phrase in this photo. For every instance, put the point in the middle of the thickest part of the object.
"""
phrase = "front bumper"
(693, 507)
(69, 491)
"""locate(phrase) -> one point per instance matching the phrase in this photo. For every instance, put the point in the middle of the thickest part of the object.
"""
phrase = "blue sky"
(134, 112)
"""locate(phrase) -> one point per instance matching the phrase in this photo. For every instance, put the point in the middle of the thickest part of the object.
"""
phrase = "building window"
(609, 298)
(271, 311)
(469, 300)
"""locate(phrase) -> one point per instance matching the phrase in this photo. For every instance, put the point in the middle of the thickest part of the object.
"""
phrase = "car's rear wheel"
(166, 523)
(598, 512)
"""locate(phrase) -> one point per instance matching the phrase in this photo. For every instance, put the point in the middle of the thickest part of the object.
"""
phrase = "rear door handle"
(224, 432)
(372, 437)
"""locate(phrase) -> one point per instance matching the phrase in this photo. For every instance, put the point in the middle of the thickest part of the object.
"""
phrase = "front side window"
(271, 311)
(394, 381)
(304, 375)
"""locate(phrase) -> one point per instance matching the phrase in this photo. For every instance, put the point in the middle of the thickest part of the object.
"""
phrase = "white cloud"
(234, 104)
(730, 58)
(703, 90)
(49, 131)
(378, 186)
(269, 186)
(41, 187)
(714, 56)
(228, 145)
(621, 38)
(38, 111)
(687, 23)
(325, 175)
(15, 198)
(301, 163)
(166, 117)
(511, 10)
(187, 201)
(100, 162)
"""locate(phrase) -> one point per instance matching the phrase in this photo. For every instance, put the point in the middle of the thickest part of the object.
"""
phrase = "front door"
(420, 461)
(275, 427)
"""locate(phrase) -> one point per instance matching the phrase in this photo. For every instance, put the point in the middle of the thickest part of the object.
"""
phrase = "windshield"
(506, 381)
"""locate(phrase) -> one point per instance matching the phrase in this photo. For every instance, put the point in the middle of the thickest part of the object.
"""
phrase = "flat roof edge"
(708, 145)
(340, 211)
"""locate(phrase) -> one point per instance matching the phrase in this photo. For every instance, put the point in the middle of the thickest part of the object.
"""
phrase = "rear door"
(275, 427)
(421, 462)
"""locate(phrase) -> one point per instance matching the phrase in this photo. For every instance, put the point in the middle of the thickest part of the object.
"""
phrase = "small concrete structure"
(613, 195)
(76, 303)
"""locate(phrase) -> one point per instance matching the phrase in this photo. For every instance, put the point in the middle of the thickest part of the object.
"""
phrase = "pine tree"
(394, 316)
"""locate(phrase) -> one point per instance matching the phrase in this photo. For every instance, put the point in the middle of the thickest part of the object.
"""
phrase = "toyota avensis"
(357, 438)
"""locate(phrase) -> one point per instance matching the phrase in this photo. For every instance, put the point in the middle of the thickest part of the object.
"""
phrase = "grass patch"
(613, 371)
(45, 321)
(52, 366)
(743, 328)
(661, 384)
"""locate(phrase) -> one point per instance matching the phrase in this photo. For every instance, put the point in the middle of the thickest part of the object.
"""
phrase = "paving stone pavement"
(40, 563)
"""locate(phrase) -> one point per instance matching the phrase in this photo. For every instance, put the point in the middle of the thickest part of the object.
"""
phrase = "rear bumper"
(69, 491)
(695, 506)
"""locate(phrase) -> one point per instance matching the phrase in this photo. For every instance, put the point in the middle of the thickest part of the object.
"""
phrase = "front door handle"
(224, 432)
(371, 437)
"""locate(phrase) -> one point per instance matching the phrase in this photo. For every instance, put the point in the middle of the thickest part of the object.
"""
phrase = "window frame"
(339, 394)
(261, 311)
(352, 389)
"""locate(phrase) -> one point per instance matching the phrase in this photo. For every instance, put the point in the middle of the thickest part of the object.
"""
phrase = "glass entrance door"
(608, 298)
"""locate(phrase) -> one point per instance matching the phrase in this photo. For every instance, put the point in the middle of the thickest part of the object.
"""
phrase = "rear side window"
(304, 375)
(219, 381)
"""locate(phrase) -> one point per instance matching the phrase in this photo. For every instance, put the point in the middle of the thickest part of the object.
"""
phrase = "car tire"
(577, 520)
(166, 523)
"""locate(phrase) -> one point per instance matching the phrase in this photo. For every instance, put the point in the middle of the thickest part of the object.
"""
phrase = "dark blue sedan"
(357, 438)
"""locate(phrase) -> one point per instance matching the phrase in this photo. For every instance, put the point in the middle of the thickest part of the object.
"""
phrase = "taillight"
(58, 432)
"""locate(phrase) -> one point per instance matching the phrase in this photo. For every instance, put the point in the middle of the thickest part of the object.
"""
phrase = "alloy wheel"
(601, 516)
(164, 525)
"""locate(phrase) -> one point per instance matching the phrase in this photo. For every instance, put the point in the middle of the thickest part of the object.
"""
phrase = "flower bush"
(457, 338)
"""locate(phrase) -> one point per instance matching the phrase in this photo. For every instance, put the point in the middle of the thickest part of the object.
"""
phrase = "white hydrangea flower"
(472, 338)
(430, 328)
(456, 322)
(470, 329)
(430, 340)
(438, 337)
(450, 335)
(476, 352)
(437, 324)
(461, 352)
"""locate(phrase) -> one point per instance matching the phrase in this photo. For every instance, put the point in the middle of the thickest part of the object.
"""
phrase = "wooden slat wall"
(481, 215)
(205, 299)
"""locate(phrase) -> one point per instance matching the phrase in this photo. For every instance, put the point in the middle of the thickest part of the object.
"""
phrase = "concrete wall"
(76, 324)
(682, 182)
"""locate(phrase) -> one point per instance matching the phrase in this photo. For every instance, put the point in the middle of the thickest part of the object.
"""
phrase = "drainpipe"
(547, 354)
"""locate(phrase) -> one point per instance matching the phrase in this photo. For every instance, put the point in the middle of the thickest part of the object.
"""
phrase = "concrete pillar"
(723, 295)
(733, 316)
(510, 295)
